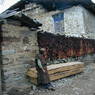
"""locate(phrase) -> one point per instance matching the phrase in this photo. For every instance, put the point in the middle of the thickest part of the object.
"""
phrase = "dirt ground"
(80, 84)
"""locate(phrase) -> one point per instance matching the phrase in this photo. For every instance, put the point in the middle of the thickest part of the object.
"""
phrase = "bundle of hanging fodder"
(58, 71)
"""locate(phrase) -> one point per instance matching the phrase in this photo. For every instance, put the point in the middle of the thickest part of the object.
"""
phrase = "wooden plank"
(55, 66)
(33, 80)
(59, 76)
(65, 74)
(33, 73)
(50, 67)
(66, 68)
(58, 71)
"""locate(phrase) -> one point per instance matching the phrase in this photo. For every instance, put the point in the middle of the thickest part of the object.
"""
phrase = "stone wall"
(0, 62)
(0, 83)
(44, 18)
(89, 23)
(77, 22)
(73, 22)
(19, 47)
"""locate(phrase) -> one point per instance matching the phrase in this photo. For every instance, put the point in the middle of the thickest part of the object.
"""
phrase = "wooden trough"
(58, 71)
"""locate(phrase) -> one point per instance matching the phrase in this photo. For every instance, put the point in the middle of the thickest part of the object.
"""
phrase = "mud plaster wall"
(19, 47)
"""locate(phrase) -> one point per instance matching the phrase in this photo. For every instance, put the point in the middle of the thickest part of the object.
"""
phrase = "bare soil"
(80, 84)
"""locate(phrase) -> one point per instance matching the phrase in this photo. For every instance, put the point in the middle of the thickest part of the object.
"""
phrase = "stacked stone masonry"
(19, 47)
(0, 83)
(89, 23)
(77, 22)
(73, 22)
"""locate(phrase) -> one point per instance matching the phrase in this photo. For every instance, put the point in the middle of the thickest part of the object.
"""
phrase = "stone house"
(18, 48)
(19, 38)
(75, 21)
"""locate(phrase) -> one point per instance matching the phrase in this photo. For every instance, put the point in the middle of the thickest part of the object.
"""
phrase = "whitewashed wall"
(77, 22)
(89, 23)
(73, 22)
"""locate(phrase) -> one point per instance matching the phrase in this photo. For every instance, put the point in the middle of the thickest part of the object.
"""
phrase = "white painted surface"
(89, 23)
(73, 22)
